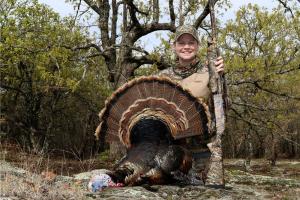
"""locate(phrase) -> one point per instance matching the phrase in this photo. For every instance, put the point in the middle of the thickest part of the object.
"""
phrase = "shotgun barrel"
(215, 174)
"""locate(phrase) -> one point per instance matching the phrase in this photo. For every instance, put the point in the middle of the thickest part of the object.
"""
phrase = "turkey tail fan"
(152, 97)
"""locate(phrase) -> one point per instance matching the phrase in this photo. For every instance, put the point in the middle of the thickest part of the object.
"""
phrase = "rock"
(21, 184)
(132, 193)
(64, 178)
(241, 177)
(86, 176)
(6, 168)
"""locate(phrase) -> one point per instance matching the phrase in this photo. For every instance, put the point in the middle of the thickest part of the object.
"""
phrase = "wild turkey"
(149, 115)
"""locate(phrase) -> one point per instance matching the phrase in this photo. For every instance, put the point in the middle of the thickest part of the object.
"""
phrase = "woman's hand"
(219, 65)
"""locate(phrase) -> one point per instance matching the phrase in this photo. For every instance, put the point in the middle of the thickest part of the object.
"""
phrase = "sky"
(65, 9)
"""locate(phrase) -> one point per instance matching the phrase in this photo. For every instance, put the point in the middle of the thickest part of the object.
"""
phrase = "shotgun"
(215, 173)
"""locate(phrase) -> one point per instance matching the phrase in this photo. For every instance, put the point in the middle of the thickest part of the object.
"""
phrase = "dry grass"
(43, 174)
(31, 186)
(284, 168)
(66, 163)
(42, 177)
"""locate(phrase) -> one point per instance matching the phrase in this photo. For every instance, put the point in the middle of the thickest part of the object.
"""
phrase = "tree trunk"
(32, 104)
(124, 67)
(249, 148)
(273, 150)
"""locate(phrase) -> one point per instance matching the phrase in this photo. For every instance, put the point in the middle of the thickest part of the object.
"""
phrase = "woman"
(193, 75)
(188, 70)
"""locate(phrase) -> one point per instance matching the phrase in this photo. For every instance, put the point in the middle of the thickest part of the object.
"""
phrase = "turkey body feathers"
(149, 163)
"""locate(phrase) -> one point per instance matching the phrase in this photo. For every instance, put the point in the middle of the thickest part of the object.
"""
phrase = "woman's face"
(186, 48)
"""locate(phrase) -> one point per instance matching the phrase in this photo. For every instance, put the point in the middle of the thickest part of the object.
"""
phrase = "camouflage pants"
(208, 161)
(201, 156)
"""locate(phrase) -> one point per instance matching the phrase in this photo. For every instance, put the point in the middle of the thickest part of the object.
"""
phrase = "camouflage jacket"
(198, 84)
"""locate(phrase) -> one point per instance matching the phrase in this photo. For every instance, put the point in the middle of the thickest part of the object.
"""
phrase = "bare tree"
(123, 22)
(119, 36)
(287, 7)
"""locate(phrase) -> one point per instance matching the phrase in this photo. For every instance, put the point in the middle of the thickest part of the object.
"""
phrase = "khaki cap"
(188, 29)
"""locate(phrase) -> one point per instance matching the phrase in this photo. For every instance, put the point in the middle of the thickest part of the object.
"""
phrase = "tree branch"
(114, 22)
(101, 52)
(77, 11)
(189, 9)
(288, 70)
(242, 118)
(91, 45)
(7, 87)
(252, 106)
(142, 60)
(181, 18)
(203, 15)
(130, 3)
(172, 14)
(275, 93)
(103, 22)
(93, 5)
(132, 11)
(287, 8)
(149, 28)
(156, 11)
(125, 23)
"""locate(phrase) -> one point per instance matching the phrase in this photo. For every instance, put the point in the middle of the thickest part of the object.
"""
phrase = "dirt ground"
(284, 168)
(64, 165)
(39, 180)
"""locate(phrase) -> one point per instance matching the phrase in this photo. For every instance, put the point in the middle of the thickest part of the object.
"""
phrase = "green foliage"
(262, 59)
(104, 156)
(50, 87)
